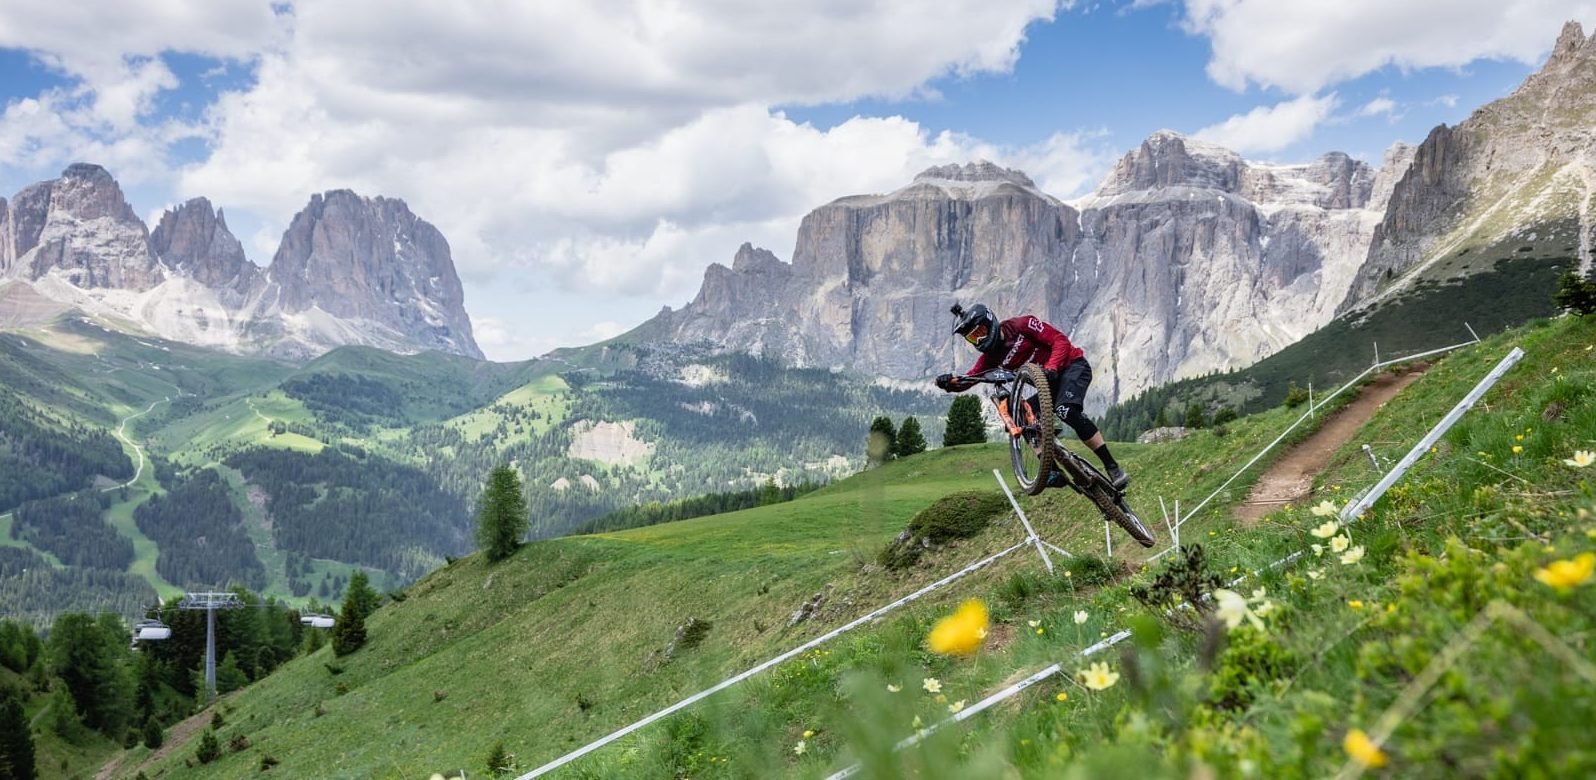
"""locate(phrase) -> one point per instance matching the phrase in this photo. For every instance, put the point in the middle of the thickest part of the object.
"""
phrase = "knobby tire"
(1041, 422)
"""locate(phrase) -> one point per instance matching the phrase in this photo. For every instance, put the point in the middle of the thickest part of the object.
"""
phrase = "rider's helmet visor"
(977, 333)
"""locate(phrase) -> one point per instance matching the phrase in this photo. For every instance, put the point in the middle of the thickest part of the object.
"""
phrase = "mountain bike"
(1024, 403)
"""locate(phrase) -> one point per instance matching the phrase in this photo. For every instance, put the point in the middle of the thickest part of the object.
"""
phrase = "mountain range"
(1187, 259)
(350, 270)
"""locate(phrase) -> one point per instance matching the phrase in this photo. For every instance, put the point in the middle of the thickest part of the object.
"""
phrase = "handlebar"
(996, 376)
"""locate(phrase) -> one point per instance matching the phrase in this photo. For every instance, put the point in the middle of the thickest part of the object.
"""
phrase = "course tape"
(730, 681)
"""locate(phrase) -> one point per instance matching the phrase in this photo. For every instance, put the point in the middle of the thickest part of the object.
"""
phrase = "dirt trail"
(1291, 479)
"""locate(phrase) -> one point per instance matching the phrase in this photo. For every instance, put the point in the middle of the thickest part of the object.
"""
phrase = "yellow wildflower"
(1062, 696)
(1519, 437)
(1355, 604)
(1324, 509)
(1098, 677)
(1080, 616)
(962, 632)
(1318, 549)
(1314, 574)
(800, 747)
(1340, 543)
(1033, 623)
(893, 688)
(1568, 574)
(932, 685)
(941, 699)
(1581, 459)
(1352, 556)
(956, 706)
(1039, 632)
(917, 723)
(1327, 530)
(1363, 750)
(808, 733)
(1517, 449)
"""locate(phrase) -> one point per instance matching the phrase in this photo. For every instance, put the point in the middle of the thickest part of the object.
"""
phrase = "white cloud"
(1450, 101)
(612, 147)
(1378, 106)
(1303, 46)
(1271, 128)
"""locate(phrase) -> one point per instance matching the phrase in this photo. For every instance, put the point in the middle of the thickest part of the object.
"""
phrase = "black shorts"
(1072, 383)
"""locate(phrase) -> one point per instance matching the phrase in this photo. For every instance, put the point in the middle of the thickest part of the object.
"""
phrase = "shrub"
(1224, 415)
(1185, 579)
(1249, 663)
(209, 749)
(239, 743)
(1575, 294)
(153, 736)
(499, 760)
(1295, 396)
(954, 516)
(341, 688)
(267, 761)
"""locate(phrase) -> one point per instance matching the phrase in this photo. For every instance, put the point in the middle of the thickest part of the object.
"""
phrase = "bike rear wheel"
(1032, 408)
(1110, 503)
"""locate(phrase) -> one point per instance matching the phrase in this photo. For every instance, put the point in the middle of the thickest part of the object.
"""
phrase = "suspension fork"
(1002, 404)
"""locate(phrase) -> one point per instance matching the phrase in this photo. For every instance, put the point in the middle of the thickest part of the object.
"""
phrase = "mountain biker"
(1028, 339)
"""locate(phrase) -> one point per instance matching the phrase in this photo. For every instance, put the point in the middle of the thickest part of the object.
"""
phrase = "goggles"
(977, 333)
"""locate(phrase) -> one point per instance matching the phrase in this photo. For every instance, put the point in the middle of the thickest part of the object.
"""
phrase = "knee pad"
(1077, 420)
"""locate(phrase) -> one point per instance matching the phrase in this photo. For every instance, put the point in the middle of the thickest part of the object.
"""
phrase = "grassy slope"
(515, 673)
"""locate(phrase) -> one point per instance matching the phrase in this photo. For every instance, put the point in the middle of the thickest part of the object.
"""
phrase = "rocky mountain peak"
(1168, 159)
(752, 259)
(371, 263)
(972, 172)
(1570, 43)
(193, 240)
(79, 231)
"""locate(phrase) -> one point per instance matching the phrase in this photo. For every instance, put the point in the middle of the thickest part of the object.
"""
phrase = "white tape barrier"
(1312, 407)
(1032, 538)
(986, 703)
(730, 681)
(1390, 478)
(1355, 510)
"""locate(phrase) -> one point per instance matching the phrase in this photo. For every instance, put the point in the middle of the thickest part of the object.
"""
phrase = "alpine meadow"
(1027, 389)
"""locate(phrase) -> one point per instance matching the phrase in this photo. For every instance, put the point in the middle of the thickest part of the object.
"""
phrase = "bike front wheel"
(1032, 408)
(1114, 508)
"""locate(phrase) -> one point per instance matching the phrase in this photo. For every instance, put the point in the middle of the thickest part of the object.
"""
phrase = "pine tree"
(502, 521)
(882, 442)
(910, 440)
(229, 677)
(1194, 416)
(153, 736)
(965, 425)
(209, 749)
(1575, 294)
(349, 633)
(16, 741)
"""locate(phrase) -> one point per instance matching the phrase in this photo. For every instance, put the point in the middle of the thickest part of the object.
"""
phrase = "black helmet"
(978, 326)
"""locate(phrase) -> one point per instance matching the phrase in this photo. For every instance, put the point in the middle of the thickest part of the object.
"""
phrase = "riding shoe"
(1057, 479)
(1118, 478)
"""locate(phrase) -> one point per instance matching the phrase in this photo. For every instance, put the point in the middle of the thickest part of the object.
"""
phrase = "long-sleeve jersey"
(1027, 339)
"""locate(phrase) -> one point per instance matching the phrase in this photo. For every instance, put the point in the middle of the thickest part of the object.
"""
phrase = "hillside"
(563, 643)
(214, 468)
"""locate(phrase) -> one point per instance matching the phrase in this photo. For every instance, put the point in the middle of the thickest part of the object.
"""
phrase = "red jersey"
(1028, 339)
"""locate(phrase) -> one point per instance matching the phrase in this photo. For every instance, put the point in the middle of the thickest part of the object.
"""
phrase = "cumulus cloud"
(1303, 46)
(1271, 128)
(1378, 106)
(614, 146)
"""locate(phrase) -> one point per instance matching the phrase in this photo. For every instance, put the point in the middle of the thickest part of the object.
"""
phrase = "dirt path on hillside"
(1291, 479)
(177, 738)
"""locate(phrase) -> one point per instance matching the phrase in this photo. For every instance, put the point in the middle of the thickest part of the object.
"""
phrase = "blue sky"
(588, 161)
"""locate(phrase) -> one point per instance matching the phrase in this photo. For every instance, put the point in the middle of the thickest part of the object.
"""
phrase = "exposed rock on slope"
(351, 270)
(1517, 174)
(1187, 259)
(362, 270)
